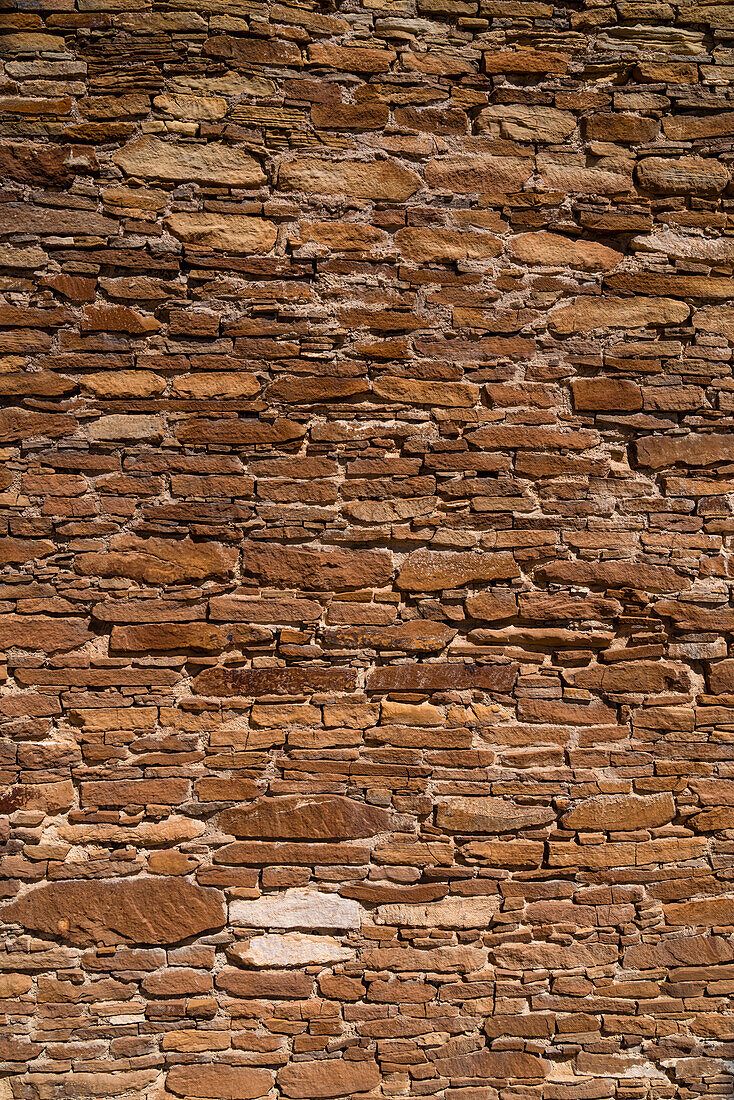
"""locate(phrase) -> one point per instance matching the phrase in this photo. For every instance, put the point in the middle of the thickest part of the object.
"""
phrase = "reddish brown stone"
(327, 1078)
(436, 676)
(141, 910)
(272, 681)
(220, 1080)
(317, 569)
(315, 817)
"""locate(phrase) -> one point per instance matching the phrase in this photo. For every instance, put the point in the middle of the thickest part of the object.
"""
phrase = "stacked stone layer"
(368, 466)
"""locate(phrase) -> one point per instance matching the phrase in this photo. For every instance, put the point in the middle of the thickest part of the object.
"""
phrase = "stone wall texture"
(366, 417)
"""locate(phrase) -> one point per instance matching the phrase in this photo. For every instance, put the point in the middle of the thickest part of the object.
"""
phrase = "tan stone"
(443, 245)
(494, 1065)
(679, 951)
(188, 107)
(479, 174)
(553, 956)
(555, 250)
(587, 313)
(719, 319)
(413, 391)
(378, 179)
(448, 913)
(298, 908)
(335, 569)
(620, 812)
(606, 395)
(701, 912)
(217, 385)
(341, 236)
(691, 449)
(683, 175)
(224, 232)
(615, 574)
(43, 632)
(489, 815)
(179, 161)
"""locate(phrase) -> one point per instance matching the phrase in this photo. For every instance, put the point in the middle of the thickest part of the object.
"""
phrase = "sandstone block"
(206, 163)
(297, 909)
(140, 910)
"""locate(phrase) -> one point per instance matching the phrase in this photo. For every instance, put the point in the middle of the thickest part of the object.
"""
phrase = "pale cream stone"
(291, 949)
(301, 907)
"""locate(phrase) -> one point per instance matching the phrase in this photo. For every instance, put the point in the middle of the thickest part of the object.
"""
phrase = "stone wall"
(367, 489)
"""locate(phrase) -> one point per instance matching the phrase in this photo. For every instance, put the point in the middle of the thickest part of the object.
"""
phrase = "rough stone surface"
(366, 573)
(297, 908)
(326, 1078)
(291, 949)
(318, 817)
(141, 911)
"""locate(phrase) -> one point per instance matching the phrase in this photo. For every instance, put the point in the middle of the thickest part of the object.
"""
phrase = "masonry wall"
(366, 425)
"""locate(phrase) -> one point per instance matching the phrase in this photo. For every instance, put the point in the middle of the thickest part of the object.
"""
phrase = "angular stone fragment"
(615, 574)
(204, 163)
(442, 245)
(479, 174)
(489, 815)
(45, 165)
(290, 949)
(554, 956)
(434, 570)
(691, 449)
(719, 319)
(42, 221)
(414, 392)
(140, 910)
(415, 636)
(442, 676)
(684, 246)
(304, 908)
(606, 395)
(621, 812)
(683, 175)
(238, 433)
(555, 250)
(448, 913)
(224, 232)
(378, 179)
(574, 176)
(225, 1082)
(22, 424)
(42, 632)
(494, 1065)
(328, 1078)
(443, 960)
(253, 50)
(588, 313)
(176, 637)
(158, 561)
(674, 951)
(328, 570)
(701, 912)
(527, 122)
(308, 817)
